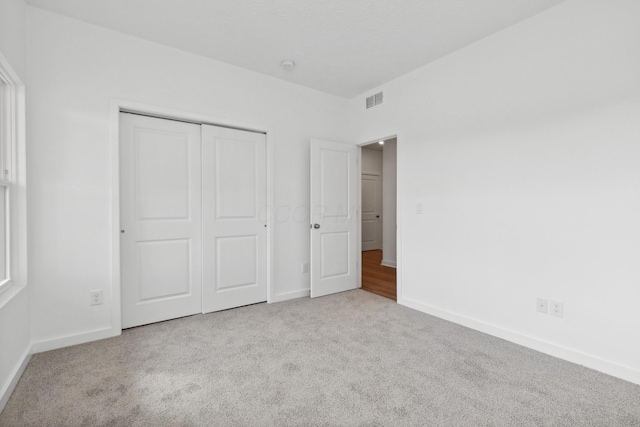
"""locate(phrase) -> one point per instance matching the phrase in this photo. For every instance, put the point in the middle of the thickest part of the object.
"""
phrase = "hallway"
(377, 278)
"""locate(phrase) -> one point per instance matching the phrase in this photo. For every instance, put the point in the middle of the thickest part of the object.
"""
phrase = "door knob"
(316, 225)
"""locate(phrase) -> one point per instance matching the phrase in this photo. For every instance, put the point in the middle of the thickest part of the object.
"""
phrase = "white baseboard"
(387, 263)
(75, 339)
(291, 295)
(593, 362)
(11, 384)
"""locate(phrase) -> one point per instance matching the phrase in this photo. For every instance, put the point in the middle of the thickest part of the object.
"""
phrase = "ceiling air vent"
(374, 100)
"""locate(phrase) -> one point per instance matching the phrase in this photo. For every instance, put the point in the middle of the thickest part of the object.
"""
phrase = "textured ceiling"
(343, 47)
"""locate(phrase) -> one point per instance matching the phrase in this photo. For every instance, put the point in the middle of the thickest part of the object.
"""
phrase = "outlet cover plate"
(95, 297)
(542, 305)
(556, 308)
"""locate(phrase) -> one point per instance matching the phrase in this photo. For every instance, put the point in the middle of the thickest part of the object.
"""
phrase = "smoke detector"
(288, 64)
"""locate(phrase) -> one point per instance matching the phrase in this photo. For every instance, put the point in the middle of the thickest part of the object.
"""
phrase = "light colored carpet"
(351, 359)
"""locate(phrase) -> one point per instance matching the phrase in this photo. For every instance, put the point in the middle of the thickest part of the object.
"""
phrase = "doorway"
(378, 207)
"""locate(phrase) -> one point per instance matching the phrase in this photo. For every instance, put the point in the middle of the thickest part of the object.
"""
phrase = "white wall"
(75, 70)
(523, 149)
(14, 304)
(13, 35)
(389, 202)
(371, 161)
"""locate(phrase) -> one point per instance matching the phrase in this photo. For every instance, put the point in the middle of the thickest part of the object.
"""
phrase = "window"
(4, 185)
(11, 125)
(4, 226)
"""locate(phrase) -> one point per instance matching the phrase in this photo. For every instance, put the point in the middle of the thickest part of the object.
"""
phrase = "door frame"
(119, 105)
(399, 204)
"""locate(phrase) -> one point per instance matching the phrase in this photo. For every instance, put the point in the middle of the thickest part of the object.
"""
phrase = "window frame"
(12, 121)
(6, 282)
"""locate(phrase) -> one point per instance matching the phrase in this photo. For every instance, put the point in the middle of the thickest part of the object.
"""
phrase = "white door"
(234, 200)
(160, 217)
(334, 218)
(371, 210)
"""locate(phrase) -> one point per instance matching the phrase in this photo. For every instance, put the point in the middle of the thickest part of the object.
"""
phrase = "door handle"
(316, 226)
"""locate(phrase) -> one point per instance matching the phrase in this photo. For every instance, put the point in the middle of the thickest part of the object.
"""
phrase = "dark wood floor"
(377, 278)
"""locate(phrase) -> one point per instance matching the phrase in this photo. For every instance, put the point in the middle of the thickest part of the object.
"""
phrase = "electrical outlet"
(419, 208)
(543, 305)
(95, 297)
(557, 308)
(305, 267)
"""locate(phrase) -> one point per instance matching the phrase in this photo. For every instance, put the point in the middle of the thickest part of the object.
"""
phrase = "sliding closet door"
(161, 238)
(234, 188)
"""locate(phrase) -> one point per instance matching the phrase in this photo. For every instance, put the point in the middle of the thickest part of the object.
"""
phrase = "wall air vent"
(374, 100)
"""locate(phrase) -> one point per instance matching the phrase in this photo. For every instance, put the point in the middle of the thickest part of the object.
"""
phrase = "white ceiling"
(342, 47)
